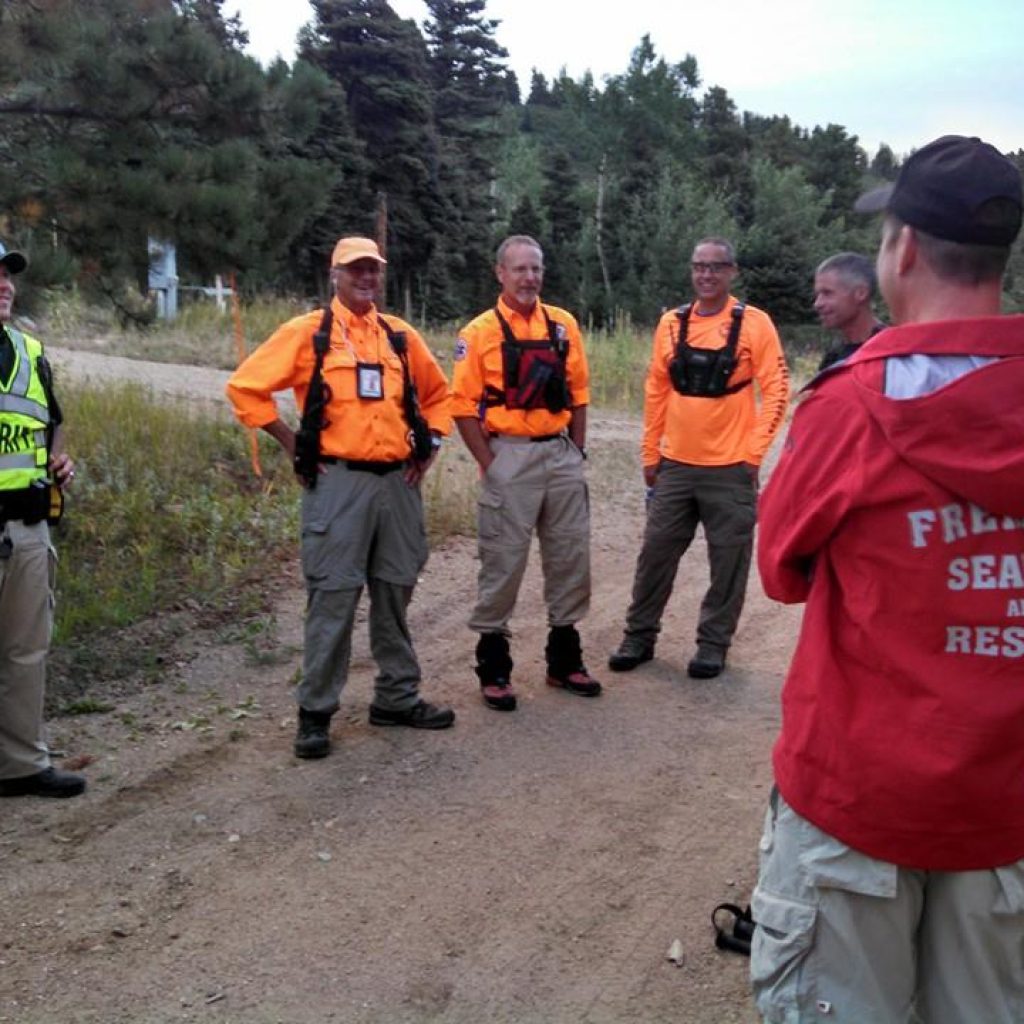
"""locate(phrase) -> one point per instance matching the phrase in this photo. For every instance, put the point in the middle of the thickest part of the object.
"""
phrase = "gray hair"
(516, 240)
(853, 268)
(722, 243)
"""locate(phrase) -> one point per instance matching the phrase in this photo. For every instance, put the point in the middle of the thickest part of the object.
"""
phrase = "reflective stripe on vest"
(24, 417)
(18, 398)
(24, 461)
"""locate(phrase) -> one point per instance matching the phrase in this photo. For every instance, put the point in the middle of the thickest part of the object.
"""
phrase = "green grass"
(166, 516)
(165, 513)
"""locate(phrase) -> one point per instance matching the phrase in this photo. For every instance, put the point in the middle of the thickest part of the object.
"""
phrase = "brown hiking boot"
(499, 695)
(580, 682)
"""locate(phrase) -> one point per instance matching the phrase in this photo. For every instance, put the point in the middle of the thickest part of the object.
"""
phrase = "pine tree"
(562, 239)
(469, 92)
(380, 62)
(123, 120)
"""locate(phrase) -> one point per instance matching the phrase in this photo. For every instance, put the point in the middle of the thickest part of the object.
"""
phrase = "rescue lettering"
(986, 641)
(14, 438)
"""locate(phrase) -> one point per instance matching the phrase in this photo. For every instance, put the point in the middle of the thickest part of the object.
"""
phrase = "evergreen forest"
(122, 120)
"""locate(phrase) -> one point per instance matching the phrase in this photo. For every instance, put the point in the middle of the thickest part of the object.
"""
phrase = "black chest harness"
(705, 372)
(314, 418)
(533, 372)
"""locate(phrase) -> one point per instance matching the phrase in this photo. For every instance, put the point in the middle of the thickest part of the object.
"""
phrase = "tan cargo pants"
(843, 938)
(26, 624)
(532, 486)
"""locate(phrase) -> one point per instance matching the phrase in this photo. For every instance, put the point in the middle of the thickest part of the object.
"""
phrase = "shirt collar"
(512, 315)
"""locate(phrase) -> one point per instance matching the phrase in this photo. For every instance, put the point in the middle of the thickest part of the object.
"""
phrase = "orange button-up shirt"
(716, 431)
(366, 429)
(478, 365)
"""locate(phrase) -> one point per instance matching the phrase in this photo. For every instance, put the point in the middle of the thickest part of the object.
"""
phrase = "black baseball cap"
(13, 260)
(940, 188)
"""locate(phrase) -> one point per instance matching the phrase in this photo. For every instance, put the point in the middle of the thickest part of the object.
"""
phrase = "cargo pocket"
(1010, 883)
(490, 516)
(782, 940)
(314, 552)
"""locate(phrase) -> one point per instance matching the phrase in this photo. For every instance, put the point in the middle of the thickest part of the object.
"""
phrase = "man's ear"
(906, 250)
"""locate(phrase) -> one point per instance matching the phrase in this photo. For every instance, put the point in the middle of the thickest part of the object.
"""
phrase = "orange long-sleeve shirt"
(358, 428)
(716, 431)
(478, 365)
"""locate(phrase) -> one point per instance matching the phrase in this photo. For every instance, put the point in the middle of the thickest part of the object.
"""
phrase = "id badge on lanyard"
(370, 381)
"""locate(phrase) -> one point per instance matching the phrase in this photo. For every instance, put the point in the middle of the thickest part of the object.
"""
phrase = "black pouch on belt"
(33, 504)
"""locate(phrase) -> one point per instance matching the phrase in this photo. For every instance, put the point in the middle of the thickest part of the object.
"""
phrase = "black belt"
(30, 504)
(363, 466)
(546, 437)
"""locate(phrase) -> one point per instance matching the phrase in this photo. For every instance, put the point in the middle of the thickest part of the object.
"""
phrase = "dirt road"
(530, 867)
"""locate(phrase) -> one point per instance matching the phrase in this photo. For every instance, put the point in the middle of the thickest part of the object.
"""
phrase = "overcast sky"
(895, 71)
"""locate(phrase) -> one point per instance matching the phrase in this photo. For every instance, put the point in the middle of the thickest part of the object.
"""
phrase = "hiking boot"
(564, 657)
(49, 783)
(420, 716)
(580, 682)
(707, 663)
(631, 653)
(313, 737)
(498, 695)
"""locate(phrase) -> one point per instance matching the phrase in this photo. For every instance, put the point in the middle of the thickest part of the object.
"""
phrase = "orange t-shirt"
(716, 431)
(366, 429)
(478, 365)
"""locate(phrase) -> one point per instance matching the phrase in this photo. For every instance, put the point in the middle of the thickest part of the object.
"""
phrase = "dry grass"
(202, 336)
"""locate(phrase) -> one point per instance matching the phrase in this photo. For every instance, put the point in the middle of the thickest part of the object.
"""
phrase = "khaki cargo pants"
(532, 486)
(843, 938)
(26, 624)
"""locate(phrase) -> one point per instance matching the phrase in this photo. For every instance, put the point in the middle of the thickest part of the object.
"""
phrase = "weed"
(87, 706)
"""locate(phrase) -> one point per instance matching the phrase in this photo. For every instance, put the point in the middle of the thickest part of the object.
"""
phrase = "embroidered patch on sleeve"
(460, 350)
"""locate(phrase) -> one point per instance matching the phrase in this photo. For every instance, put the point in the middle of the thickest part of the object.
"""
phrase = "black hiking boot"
(313, 737)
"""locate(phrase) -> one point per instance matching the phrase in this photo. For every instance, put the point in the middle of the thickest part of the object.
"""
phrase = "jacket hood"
(964, 427)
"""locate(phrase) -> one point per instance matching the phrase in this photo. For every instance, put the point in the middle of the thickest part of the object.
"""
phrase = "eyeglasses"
(710, 268)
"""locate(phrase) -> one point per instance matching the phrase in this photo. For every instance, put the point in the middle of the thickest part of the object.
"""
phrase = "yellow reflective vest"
(24, 417)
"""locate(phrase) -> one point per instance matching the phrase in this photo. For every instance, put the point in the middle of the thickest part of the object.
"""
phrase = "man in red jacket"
(892, 881)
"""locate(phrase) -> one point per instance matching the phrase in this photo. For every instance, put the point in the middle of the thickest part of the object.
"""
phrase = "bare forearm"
(578, 426)
(283, 435)
(472, 433)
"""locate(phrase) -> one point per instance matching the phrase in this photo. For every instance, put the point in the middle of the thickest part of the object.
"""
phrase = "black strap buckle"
(736, 940)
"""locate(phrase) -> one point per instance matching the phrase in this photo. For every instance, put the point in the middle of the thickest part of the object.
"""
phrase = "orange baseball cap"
(348, 250)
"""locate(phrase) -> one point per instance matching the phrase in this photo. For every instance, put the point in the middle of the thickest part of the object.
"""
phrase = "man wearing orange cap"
(376, 407)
